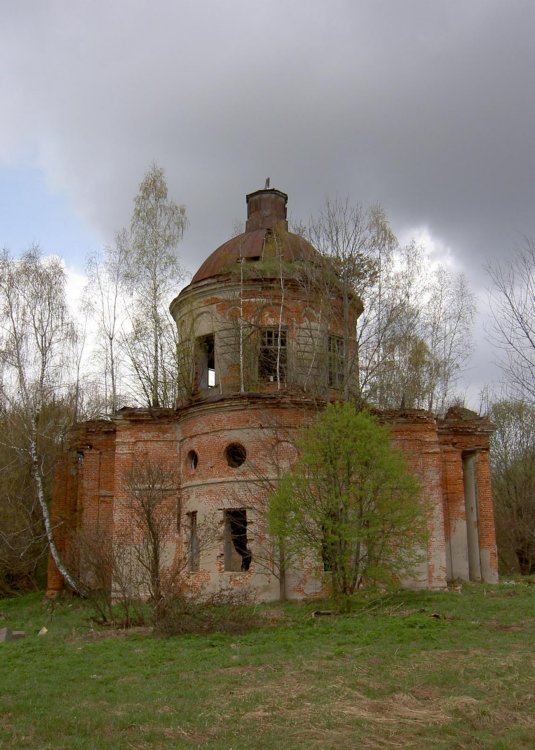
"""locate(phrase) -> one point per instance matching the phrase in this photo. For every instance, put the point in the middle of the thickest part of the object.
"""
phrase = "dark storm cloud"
(426, 107)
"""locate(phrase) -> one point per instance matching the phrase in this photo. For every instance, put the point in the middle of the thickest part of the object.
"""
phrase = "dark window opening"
(192, 460)
(272, 351)
(206, 361)
(237, 554)
(252, 258)
(336, 361)
(193, 542)
(235, 454)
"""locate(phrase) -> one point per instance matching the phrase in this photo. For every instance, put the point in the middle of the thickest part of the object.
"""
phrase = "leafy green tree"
(351, 502)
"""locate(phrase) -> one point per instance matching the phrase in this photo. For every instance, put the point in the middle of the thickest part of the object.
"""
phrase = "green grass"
(410, 670)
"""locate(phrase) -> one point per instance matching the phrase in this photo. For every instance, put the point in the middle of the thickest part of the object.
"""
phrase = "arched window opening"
(192, 460)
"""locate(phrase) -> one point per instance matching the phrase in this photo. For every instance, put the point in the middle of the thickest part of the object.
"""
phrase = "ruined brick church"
(261, 353)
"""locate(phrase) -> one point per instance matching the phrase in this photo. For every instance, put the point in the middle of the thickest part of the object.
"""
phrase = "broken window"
(206, 361)
(272, 359)
(193, 542)
(192, 460)
(336, 361)
(235, 454)
(237, 554)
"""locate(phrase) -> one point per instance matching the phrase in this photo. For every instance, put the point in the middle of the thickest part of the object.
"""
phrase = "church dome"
(266, 235)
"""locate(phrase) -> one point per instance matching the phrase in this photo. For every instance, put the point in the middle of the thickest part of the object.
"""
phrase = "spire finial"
(267, 184)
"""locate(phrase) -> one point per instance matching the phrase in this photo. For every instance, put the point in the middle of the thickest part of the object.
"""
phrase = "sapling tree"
(271, 554)
(153, 507)
(350, 502)
(160, 548)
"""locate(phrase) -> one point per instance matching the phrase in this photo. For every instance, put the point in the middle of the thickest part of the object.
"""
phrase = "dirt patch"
(259, 714)
(398, 708)
(239, 670)
(513, 627)
(477, 714)
(426, 692)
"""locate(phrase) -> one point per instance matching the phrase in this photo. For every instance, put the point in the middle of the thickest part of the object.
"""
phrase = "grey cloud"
(425, 107)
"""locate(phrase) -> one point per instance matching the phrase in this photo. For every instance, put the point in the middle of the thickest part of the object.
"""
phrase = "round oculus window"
(235, 454)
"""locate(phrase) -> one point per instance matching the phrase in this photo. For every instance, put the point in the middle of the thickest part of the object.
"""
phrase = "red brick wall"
(93, 495)
(263, 427)
(462, 432)
(82, 495)
(415, 433)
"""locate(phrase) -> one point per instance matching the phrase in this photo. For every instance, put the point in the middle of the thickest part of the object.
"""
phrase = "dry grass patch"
(399, 708)
(389, 675)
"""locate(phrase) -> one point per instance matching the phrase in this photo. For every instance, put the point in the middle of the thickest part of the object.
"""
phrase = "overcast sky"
(426, 106)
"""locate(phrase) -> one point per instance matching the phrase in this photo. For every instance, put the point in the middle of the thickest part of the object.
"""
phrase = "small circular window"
(192, 460)
(235, 454)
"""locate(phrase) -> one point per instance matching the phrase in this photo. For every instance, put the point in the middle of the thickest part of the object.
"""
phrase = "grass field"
(409, 670)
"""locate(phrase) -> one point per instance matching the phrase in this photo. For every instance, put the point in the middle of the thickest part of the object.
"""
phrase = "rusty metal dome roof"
(253, 246)
(266, 236)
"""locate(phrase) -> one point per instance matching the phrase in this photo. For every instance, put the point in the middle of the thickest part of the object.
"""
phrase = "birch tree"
(35, 336)
(449, 316)
(420, 338)
(105, 302)
(152, 274)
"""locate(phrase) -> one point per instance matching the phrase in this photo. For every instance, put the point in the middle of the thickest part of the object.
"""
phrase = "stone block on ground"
(6, 634)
